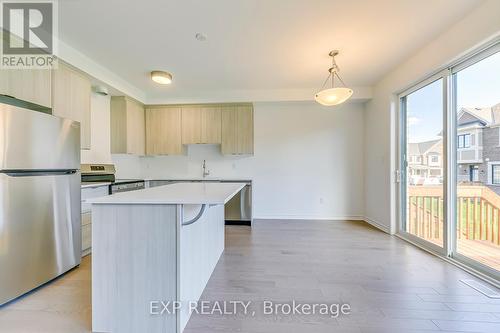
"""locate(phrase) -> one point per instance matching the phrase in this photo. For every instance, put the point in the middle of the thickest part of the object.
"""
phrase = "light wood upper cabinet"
(71, 92)
(163, 131)
(229, 133)
(201, 124)
(191, 124)
(30, 85)
(128, 131)
(211, 124)
(169, 127)
(237, 130)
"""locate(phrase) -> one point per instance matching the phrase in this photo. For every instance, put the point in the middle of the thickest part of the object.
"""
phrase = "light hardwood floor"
(391, 285)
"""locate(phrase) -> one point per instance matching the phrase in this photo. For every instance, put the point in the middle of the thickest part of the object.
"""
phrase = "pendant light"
(333, 96)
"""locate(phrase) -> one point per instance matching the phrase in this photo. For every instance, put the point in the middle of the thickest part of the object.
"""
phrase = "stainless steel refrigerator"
(40, 228)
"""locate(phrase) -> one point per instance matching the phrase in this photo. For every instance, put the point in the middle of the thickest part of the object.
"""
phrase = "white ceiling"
(252, 46)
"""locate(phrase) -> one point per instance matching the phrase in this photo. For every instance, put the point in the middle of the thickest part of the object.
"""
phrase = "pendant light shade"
(334, 95)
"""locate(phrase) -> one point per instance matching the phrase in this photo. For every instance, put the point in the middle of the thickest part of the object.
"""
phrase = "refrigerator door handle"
(32, 173)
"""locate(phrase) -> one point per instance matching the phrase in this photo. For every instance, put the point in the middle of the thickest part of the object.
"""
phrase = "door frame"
(402, 164)
(452, 253)
(449, 250)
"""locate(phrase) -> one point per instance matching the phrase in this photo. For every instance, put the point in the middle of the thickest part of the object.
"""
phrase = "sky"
(477, 86)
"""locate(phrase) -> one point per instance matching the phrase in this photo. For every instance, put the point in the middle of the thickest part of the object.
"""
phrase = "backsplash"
(184, 166)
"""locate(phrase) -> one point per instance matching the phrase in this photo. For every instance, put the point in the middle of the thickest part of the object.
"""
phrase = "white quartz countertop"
(208, 179)
(178, 193)
(95, 184)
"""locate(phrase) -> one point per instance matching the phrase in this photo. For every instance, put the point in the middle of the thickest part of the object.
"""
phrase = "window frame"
(462, 144)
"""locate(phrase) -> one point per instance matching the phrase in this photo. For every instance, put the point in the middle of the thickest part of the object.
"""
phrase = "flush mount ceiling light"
(333, 96)
(161, 77)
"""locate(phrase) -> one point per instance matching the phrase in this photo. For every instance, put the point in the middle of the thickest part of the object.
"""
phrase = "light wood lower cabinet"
(237, 130)
(89, 193)
(163, 131)
(128, 132)
(71, 92)
(86, 234)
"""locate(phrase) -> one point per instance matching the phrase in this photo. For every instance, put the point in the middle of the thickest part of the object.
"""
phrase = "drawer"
(86, 207)
(86, 237)
(86, 218)
(94, 192)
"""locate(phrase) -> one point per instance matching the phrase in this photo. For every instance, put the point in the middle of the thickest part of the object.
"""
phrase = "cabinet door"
(163, 131)
(30, 85)
(71, 99)
(229, 134)
(211, 124)
(191, 125)
(237, 130)
(244, 129)
(118, 120)
(136, 136)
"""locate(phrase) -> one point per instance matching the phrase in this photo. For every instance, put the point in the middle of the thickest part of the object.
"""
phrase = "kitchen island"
(151, 247)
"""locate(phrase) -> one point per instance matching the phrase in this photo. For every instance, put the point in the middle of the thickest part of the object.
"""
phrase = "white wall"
(100, 131)
(478, 26)
(308, 161)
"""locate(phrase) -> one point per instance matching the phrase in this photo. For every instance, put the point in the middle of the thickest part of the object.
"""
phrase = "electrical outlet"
(321, 200)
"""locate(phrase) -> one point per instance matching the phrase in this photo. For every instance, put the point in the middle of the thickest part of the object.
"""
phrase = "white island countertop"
(178, 193)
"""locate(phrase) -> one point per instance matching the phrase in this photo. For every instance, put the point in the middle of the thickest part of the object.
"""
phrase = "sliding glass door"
(477, 105)
(449, 162)
(423, 160)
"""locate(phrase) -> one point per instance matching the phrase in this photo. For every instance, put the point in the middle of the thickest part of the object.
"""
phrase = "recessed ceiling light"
(161, 77)
(200, 37)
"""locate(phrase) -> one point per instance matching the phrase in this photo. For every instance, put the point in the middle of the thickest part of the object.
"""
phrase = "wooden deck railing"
(478, 210)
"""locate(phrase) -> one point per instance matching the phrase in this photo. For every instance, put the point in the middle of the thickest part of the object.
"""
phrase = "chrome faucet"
(205, 171)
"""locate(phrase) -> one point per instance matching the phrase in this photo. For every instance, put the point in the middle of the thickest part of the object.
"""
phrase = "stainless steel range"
(40, 223)
(105, 173)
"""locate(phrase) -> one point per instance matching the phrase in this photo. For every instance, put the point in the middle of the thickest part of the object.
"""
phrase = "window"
(495, 174)
(434, 159)
(464, 141)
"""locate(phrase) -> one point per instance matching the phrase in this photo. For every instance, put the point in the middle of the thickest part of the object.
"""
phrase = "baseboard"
(308, 217)
(373, 223)
(377, 225)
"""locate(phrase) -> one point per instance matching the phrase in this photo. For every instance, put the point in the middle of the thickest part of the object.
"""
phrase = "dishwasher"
(238, 210)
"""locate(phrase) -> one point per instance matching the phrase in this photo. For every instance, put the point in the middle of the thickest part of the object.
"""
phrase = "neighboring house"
(478, 146)
(425, 162)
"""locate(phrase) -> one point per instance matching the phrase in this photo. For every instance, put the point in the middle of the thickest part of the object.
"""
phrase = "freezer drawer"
(31, 140)
(40, 230)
